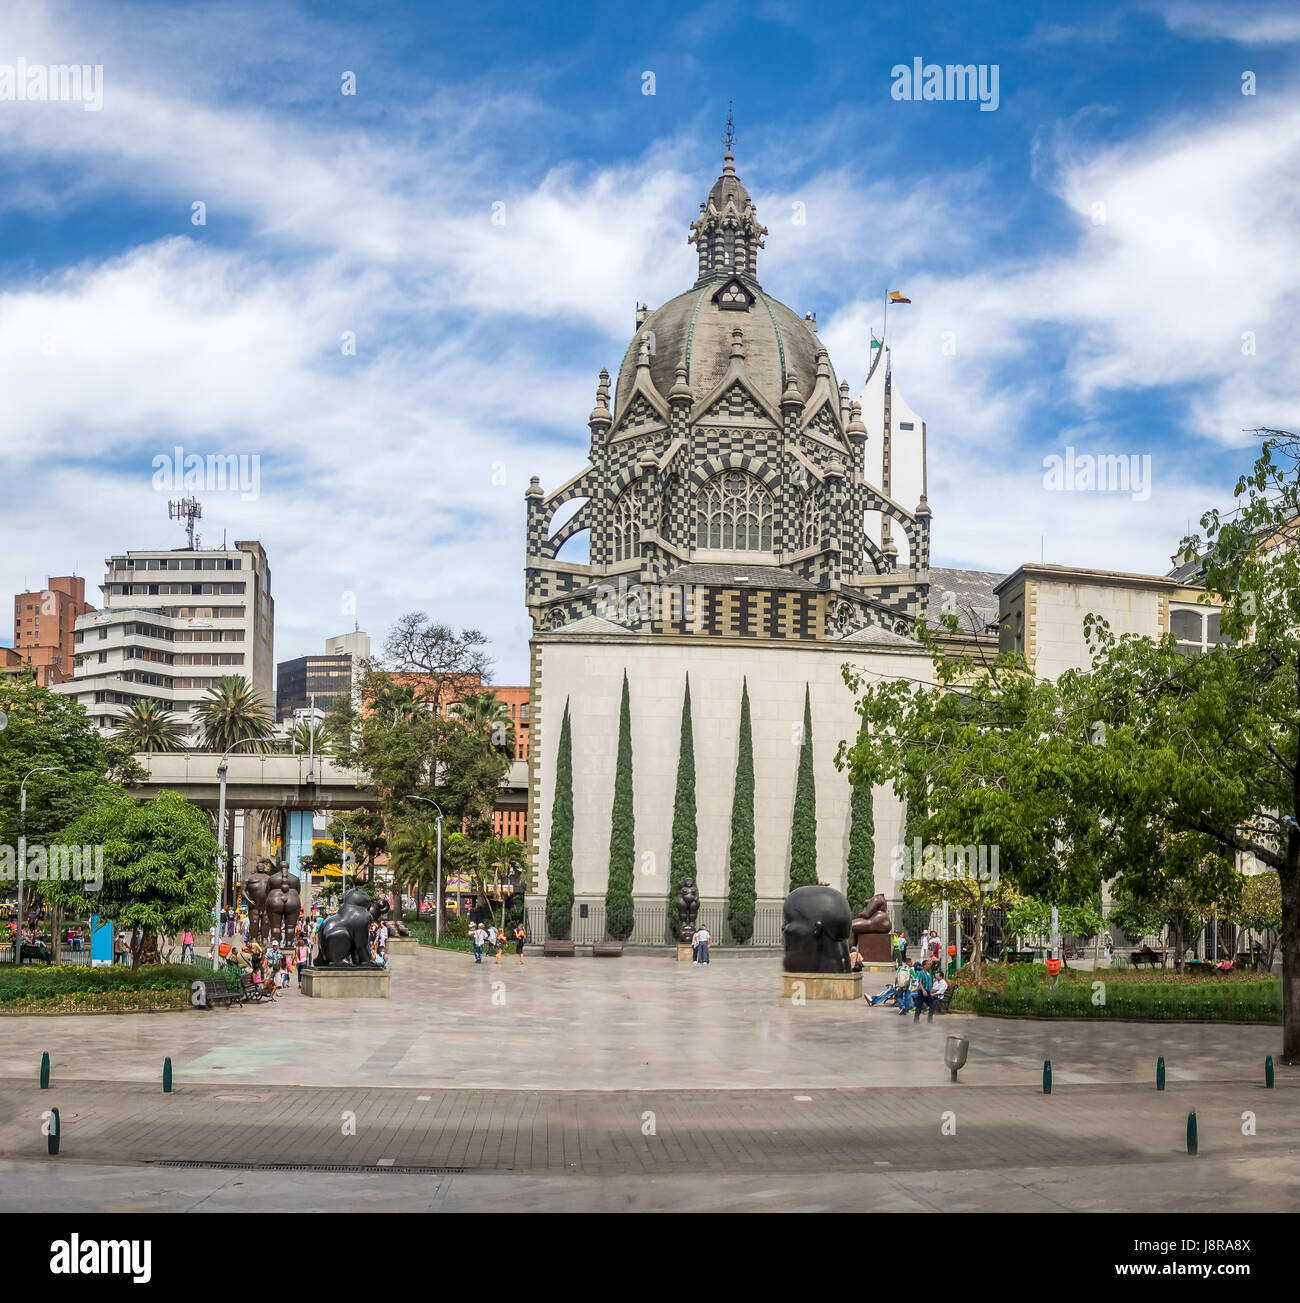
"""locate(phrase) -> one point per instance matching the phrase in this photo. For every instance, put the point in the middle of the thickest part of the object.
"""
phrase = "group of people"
(916, 986)
(700, 945)
(271, 966)
(491, 937)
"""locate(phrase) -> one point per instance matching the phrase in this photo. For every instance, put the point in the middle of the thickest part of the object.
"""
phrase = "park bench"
(606, 949)
(555, 947)
(943, 1003)
(251, 990)
(1151, 958)
(1020, 956)
(216, 990)
(40, 952)
(1072, 952)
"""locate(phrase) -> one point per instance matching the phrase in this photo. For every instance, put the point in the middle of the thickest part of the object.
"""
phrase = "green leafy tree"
(742, 894)
(488, 717)
(1000, 766)
(51, 733)
(1260, 907)
(803, 825)
(559, 865)
(1208, 747)
(1031, 917)
(619, 915)
(400, 732)
(685, 832)
(159, 868)
(860, 869)
(414, 858)
(149, 726)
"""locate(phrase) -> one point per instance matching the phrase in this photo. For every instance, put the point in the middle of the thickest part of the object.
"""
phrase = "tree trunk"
(977, 951)
(1290, 883)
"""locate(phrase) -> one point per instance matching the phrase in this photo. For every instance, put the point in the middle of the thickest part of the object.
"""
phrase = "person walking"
(705, 938)
(501, 942)
(520, 937)
(120, 949)
(187, 945)
(479, 936)
(304, 956)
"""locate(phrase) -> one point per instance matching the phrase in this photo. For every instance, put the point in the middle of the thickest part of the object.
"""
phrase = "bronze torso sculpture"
(344, 938)
(257, 887)
(688, 907)
(873, 931)
(815, 931)
(283, 903)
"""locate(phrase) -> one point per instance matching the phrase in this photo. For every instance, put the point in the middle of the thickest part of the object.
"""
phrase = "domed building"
(725, 504)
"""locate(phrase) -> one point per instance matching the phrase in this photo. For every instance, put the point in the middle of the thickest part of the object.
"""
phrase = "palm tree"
(485, 714)
(414, 859)
(233, 711)
(150, 726)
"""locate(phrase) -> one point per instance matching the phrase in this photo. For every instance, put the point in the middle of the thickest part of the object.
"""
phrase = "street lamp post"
(221, 855)
(22, 858)
(437, 903)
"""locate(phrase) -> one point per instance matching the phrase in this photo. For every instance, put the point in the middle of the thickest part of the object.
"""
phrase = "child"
(282, 977)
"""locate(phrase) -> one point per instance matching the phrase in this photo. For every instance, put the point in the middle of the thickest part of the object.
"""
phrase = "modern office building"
(320, 679)
(173, 623)
(44, 627)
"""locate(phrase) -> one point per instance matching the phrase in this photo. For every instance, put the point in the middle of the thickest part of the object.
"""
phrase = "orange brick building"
(43, 627)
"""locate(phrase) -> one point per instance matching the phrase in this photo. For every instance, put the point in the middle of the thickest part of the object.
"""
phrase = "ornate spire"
(727, 233)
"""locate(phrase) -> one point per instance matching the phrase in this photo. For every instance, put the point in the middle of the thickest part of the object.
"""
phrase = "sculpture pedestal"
(875, 947)
(684, 952)
(821, 986)
(346, 983)
(401, 945)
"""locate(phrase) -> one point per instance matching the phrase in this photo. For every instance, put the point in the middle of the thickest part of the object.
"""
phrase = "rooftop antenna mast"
(188, 510)
(729, 138)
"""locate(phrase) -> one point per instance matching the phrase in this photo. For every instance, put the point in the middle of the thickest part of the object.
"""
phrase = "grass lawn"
(1024, 990)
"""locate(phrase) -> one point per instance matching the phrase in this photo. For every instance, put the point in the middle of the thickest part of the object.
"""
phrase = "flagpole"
(885, 327)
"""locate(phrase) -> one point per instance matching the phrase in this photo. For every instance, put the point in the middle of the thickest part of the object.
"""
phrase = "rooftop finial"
(729, 139)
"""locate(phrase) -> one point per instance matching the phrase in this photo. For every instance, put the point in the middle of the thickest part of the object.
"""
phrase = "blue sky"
(1094, 252)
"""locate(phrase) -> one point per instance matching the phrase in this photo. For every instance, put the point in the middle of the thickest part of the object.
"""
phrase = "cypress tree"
(803, 827)
(742, 897)
(860, 878)
(685, 834)
(619, 917)
(559, 864)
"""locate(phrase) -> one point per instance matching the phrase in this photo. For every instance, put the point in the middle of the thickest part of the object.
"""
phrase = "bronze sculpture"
(688, 907)
(344, 938)
(257, 887)
(283, 903)
(816, 930)
(873, 932)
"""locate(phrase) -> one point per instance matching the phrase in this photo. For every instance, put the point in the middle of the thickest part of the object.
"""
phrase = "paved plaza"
(630, 1023)
(639, 1083)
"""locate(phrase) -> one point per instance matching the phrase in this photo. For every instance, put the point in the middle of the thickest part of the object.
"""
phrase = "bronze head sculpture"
(816, 930)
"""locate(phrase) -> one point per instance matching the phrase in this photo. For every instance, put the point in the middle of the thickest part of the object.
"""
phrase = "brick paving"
(883, 1129)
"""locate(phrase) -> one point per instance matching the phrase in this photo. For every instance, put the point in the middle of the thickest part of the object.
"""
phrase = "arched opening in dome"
(574, 538)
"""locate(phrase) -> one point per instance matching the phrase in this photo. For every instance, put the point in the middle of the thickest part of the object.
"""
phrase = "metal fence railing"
(650, 923)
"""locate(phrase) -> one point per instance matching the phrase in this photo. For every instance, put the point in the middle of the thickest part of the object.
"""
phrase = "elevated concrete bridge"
(257, 782)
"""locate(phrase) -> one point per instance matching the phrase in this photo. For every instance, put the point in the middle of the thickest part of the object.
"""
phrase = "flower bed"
(76, 989)
(1024, 991)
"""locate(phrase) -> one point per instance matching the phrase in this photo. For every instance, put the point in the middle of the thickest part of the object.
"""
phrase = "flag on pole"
(897, 296)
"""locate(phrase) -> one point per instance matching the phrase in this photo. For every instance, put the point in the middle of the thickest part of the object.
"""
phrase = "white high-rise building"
(172, 624)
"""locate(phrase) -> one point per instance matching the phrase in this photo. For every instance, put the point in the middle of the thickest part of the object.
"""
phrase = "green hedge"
(424, 931)
(1193, 1000)
(32, 982)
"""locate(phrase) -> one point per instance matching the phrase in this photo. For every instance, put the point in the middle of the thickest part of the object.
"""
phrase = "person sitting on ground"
(381, 960)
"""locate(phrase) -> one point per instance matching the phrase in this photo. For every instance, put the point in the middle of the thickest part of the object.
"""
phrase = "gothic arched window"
(734, 513)
(626, 528)
(809, 533)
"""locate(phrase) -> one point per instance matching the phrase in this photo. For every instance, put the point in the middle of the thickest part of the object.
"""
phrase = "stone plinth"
(821, 986)
(876, 946)
(401, 945)
(684, 952)
(345, 983)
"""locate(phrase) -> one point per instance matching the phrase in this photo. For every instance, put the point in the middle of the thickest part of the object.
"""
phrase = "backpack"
(904, 979)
